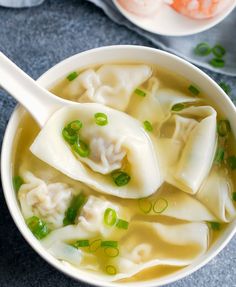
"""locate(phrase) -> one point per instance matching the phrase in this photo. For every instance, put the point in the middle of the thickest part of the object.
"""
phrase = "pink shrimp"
(200, 9)
(141, 7)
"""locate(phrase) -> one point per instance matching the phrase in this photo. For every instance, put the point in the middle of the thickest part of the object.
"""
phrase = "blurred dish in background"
(175, 17)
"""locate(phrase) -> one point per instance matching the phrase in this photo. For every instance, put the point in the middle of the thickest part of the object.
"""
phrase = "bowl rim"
(9, 193)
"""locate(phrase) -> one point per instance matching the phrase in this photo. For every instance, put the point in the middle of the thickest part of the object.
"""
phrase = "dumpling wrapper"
(141, 151)
(189, 151)
(111, 85)
(216, 194)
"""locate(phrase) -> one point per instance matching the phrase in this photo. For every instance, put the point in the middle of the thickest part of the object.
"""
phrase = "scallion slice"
(111, 251)
(148, 126)
(234, 196)
(110, 217)
(223, 128)
(94, 245)
(160, 205)
(69, 137)
(72, 76)
(232, 162)
(202, 49)
(193, 90)
(219, 157)
(111, 270)
(214, 225)
(145, 205)
(101, 119)
(38, 227)
(109, 243)
(140, 92)
(120, 177)
(218, 51)
(81, 243)
(225, 87)
(217, 63)
(75, 126)
(178, 107)
(81, 148)
(74, 208)
(123, 224)
(17, 182)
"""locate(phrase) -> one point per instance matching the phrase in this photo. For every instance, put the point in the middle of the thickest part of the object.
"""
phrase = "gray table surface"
(36, 39)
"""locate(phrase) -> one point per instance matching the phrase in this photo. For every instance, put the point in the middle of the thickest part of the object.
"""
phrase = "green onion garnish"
(120, 177)
(101, 119)
(193, 90)
(223, 128)
(178, 107)
(37, 227)
(110, 217)
(17, 182)
(148, 126)
(111, 251)
(81, 243)
(75, 126)
(72, 76)
(225, 87)
(217, 63)
(218, 51)
(160, 205)
(68, 136)
(74, 208)
(140, 93)
(202, 49)
(81, 148)
(123, 224)
(94, 245)
(219, 157)
(234, 196)
(110, 243)
(232, 162)
(214, 225)
(145, 205)
(111, 270)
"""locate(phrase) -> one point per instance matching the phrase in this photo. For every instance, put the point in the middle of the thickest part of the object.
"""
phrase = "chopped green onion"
(111, 270)
(218, 51)
(71, 138)
(81, 243)
(225, 87)
(120, 177)
(123, 224)
(94, 245)
(178, 107)
(219, 157)
(110, 243)
(74, 208)
(217, 63)
(145, 205)
(75, 126)
(101, 119)
(232, 162)
(17, 182)
(37, 227)
(193, 90)
(140, 93)
(202, 49)
(81, 148)
(223, 128)
(234, 196)
(72, 76)
(110, 217)
(160, 205)
(111, 251)
(214, 225)
(148, 126)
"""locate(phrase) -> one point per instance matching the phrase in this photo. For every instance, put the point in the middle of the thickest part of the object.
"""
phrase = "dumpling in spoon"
(101, 147)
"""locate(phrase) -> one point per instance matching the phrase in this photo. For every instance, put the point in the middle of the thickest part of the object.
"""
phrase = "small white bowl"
(168, 22)
(101, 56)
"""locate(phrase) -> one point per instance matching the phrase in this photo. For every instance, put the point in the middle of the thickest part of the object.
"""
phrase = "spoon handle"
(39, 102)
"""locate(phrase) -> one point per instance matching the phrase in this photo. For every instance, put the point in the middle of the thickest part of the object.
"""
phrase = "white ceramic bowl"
(101, 56)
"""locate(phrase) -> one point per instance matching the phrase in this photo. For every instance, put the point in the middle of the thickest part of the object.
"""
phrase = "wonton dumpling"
(188, 151)
(140, 150)
(216, 193)
(111, 85)
(47, 201)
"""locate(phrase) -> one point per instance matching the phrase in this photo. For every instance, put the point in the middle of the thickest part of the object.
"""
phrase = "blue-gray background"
(36, 39)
